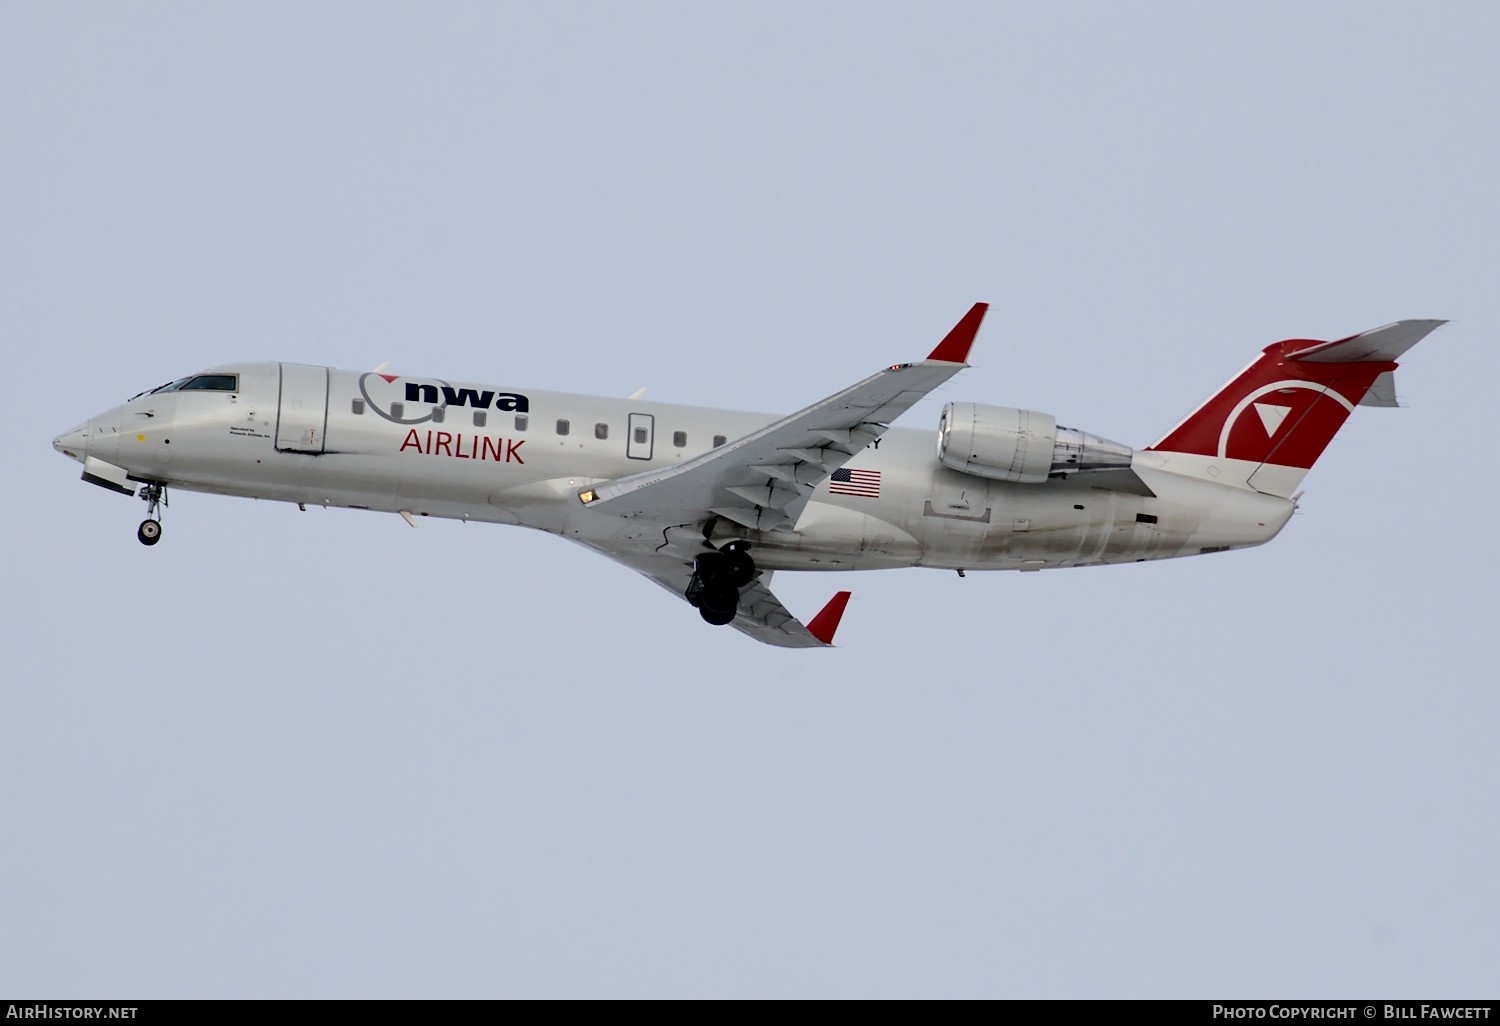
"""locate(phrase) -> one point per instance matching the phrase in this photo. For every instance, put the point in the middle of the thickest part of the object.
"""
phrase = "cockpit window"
(170, 386)
(198, 383)
(212, 383)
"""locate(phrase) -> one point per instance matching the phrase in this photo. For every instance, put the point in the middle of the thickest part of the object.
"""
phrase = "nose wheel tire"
(154, 495)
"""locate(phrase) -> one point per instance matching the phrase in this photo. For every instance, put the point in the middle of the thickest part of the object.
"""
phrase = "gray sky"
(321, 754)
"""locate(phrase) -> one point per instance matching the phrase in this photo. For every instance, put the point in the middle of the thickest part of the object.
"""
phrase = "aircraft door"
(302, 416)
(641, 436)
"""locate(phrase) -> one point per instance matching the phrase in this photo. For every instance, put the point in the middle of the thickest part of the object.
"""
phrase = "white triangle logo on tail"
(1271, 417)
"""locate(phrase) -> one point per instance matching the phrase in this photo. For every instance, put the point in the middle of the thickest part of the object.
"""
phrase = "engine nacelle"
(1022, 446)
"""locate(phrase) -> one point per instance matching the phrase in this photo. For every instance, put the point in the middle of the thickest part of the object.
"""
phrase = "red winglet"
(826, 622)
(955, 348)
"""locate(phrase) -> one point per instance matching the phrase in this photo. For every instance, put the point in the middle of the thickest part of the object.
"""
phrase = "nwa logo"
(411, 401)
(1292, 424)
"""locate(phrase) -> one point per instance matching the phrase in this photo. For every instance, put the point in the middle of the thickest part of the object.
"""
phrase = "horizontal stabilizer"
(1378, 345)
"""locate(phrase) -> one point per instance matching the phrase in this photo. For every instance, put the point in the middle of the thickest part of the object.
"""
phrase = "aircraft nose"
(75, 443)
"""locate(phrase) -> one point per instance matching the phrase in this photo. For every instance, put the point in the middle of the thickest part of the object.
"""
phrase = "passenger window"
(212, 383)
(358, 406)
(521, 421)
(562, 427)
(640, 436)
(601, 431)
(480, 416)
(679, 439)
(719, 440)
(439, 414)
(398, 410)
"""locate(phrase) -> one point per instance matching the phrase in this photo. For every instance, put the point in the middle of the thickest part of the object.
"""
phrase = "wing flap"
(754, 517)
(772, 495)
(797, 473)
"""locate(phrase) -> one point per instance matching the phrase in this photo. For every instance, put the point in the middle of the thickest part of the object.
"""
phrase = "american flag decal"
(864, 483)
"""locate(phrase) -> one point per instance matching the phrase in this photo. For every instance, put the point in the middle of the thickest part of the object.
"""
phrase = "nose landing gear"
(155, 497)
(718, 576)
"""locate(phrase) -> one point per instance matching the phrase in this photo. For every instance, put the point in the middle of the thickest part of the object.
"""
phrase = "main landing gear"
(718, 576)
(155, 497)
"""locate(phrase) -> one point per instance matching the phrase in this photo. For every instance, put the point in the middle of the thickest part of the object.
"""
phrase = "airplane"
(710, 503)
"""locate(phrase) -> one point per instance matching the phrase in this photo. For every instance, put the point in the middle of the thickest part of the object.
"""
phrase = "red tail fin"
(1278, 410)
(1285, 407)
(1265, 428)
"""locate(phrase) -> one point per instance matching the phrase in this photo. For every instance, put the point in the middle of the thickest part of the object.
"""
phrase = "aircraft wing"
(761, 614)
(764, 479)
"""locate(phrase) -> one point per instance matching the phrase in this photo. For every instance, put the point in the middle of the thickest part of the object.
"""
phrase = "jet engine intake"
(1021, 446)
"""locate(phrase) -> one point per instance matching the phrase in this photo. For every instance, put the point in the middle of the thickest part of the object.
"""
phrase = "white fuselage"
(521, 457)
